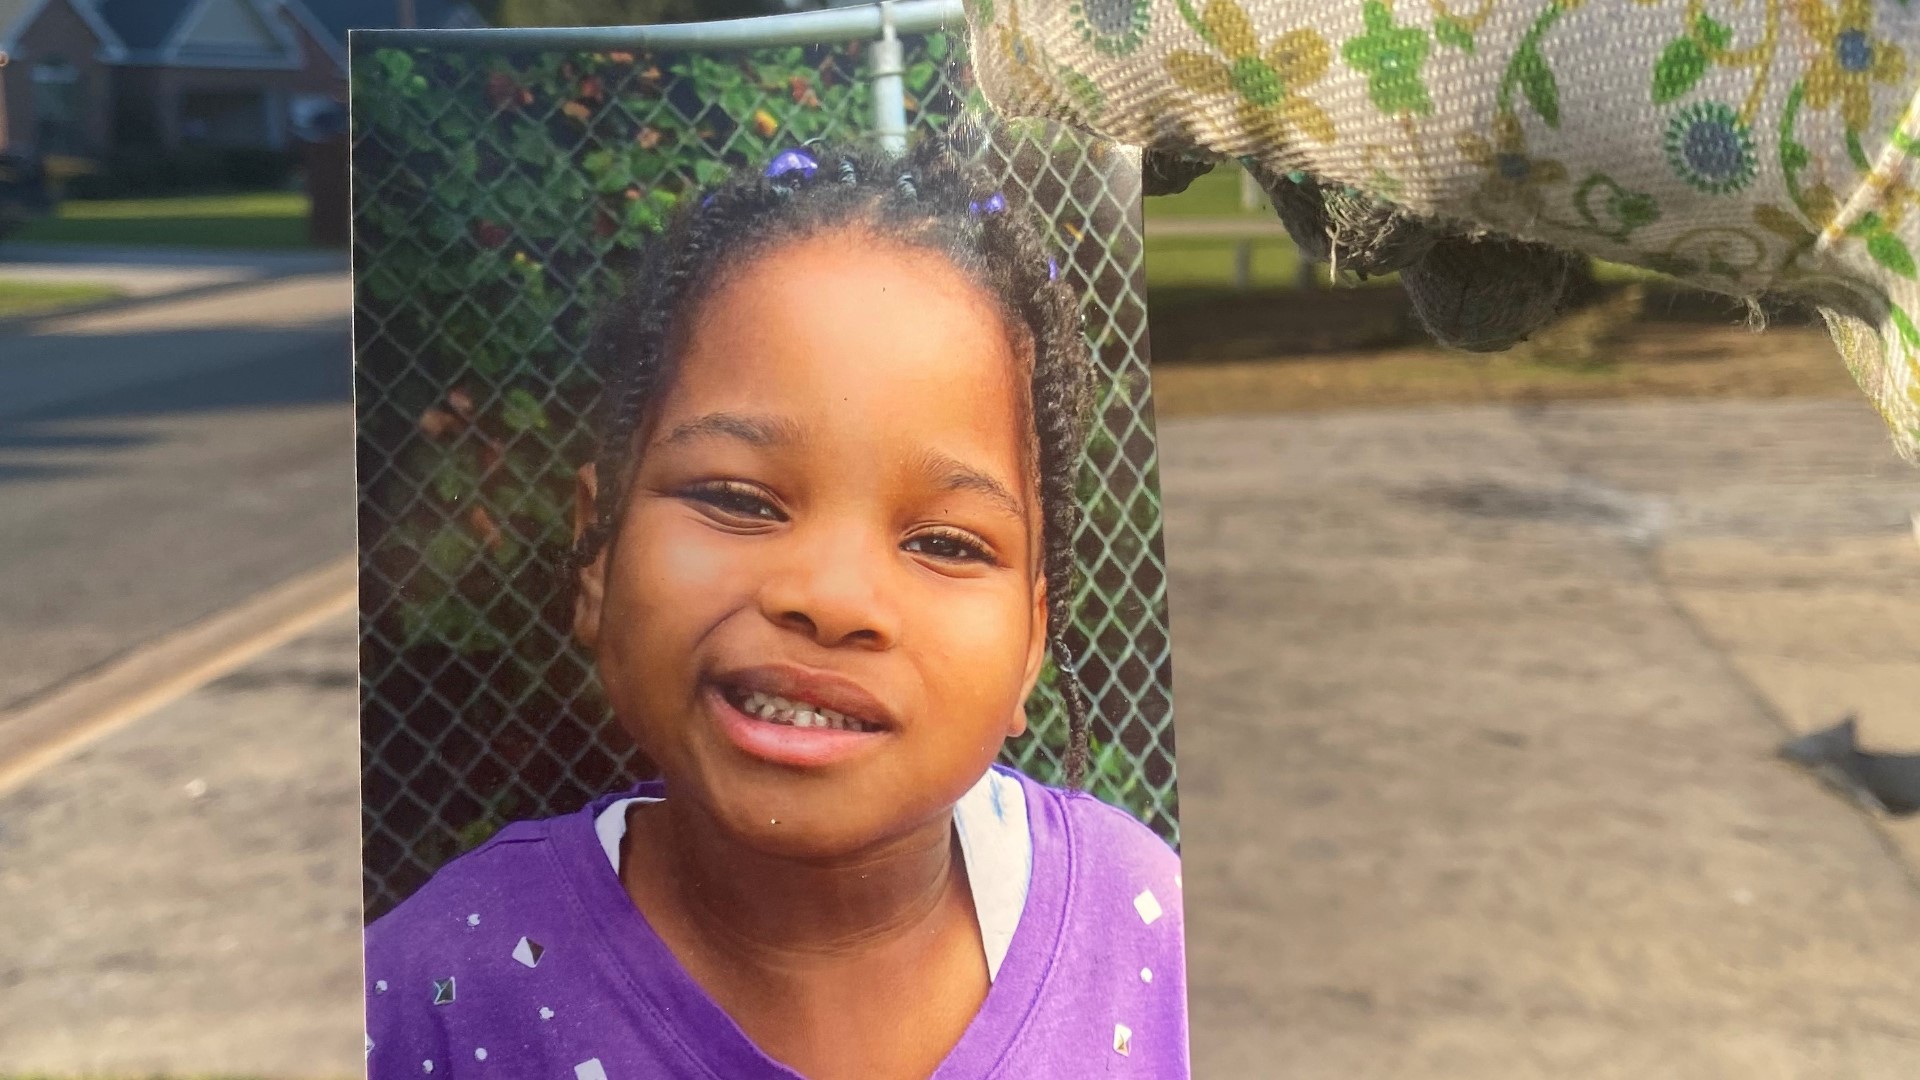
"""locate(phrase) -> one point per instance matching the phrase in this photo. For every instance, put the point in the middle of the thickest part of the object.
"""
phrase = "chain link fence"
(498, 197)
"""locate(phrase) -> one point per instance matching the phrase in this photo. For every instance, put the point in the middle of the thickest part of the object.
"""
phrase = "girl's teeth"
(779, 710)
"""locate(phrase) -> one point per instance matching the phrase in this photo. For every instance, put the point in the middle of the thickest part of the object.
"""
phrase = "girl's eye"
(948, 547)
(737, 501)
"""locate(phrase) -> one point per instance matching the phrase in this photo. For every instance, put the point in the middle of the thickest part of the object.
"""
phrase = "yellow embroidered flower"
(1850, 60)
(1821, 204)
(1267, 84)
(1896, 199)
(1513, 177)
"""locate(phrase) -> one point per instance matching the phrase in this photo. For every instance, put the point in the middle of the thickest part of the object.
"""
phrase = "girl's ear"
(1036, 659)
(590, 580)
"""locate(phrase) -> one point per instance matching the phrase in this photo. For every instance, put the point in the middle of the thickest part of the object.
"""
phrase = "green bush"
(147, 171)
(499, 200)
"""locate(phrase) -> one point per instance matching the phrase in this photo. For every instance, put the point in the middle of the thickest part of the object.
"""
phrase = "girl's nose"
(831, 587)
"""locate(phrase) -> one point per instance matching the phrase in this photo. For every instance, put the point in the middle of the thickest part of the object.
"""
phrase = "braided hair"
(930, 199)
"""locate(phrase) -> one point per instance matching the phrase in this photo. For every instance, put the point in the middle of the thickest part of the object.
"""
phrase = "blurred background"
(1480, 661)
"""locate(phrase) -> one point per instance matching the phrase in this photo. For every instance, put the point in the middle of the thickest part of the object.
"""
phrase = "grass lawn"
(1648, 361)
(1195, 263)
(31, 297)
(269, 219)
(1217, 194)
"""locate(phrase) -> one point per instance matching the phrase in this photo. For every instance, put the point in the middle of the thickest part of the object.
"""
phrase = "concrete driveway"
(1477, 711)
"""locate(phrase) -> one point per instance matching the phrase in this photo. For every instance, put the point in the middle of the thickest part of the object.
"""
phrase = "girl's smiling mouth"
(795, 716)
(778, 710)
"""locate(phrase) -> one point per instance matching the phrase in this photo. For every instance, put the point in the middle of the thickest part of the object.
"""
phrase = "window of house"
(59, 125)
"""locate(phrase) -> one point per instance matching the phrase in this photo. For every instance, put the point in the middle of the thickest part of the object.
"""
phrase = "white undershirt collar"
(991, 822)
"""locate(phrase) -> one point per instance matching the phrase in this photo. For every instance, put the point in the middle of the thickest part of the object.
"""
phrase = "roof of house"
(143, 24)
(147, 29)
(17, 15)
(339, 16)
(11, 12)
(176, 32)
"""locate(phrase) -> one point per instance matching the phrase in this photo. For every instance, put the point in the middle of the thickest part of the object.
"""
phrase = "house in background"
(56, 77)
(83, 78)
(220, 74)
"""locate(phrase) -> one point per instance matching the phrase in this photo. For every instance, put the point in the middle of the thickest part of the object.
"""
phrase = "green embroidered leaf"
(1537, 80)
(1678, 69)
(1635, 210)
(1778, 221)
(1888, 251)
(1448, 30)
(1857, 152)
(1907, 332)
(1867, 224)
(1715, 33)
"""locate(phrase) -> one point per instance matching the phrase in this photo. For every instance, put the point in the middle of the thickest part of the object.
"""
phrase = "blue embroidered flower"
(1114, 27)
(1710, 148)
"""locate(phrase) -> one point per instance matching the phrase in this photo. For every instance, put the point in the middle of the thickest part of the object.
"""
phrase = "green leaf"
(521, 411)
(642, 214)
(1537, 81)
(937, 46)
(1888, 251)
(531, 144)
(1867, 224)
(1856, 152)
(1715, 33)
(385, 286)
(1448, 30)
(919, 76)
(397, 65)
(444, 227)
(451, 482)
(1779, 222)
(1680, 66)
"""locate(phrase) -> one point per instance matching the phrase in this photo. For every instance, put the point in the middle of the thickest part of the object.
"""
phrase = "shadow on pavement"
(65, 437)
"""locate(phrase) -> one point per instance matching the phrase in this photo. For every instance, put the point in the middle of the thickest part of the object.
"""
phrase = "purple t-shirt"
(526, 959)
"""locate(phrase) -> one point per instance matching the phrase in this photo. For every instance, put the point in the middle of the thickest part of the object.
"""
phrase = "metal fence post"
(889, 92)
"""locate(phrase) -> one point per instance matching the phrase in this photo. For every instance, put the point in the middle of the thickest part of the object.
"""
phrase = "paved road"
(183, 899)
(161, 463)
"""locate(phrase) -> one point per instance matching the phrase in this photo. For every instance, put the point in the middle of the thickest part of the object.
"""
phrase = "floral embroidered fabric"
(1745, 146)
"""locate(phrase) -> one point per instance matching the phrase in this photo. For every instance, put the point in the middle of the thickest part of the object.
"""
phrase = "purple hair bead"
(787, 161)
(993, 204)
(706, 202)
(1053, 269)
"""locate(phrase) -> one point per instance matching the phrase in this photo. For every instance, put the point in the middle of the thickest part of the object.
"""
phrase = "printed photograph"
(765, 665)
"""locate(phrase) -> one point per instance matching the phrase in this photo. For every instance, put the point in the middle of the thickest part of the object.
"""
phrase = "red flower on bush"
(490, 234)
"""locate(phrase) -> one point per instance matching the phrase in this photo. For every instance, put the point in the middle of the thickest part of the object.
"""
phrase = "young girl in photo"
(825, 551)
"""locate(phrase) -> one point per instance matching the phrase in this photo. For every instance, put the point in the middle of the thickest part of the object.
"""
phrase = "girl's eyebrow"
(952, 474)
(762, 431)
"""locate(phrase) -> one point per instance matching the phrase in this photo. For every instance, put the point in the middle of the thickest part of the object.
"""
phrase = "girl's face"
(822, 613)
